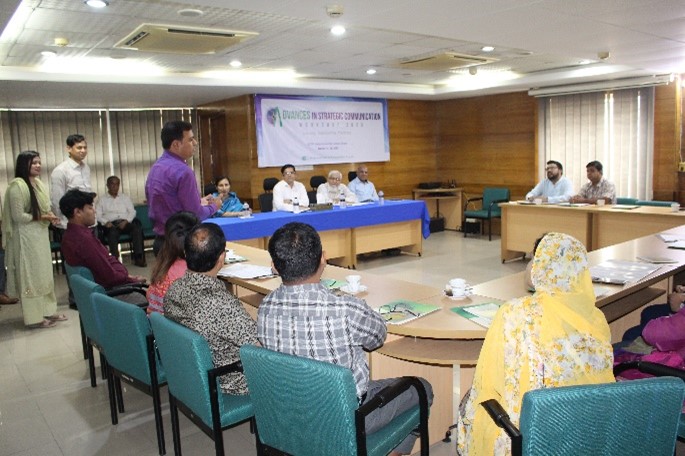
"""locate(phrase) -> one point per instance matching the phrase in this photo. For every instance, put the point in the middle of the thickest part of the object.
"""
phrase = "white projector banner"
(319, 130)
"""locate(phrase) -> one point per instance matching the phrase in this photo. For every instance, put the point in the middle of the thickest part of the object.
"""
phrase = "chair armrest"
(385, 396)
(658, 370)
(492, 204)
(501, 419)
(212, 375)
(470, 200)
(129, 288)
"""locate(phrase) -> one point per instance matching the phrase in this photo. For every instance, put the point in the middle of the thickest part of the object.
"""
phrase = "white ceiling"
(538, 43)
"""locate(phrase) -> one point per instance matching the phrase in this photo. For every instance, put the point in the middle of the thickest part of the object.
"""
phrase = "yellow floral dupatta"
(556, 337)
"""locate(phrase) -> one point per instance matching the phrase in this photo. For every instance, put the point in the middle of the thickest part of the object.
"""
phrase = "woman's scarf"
(556, 337)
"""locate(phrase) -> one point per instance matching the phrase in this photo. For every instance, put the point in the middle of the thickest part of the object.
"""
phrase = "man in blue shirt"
(361, 186)
(555, 189)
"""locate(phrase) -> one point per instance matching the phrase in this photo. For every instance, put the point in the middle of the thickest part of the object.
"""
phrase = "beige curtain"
(616, 128)
(125, 143)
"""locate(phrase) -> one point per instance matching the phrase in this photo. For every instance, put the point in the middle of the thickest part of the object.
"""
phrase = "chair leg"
(120, 394)
(91, 366)
(103, 366)
(219, 442)
(157, 405)
(112, 397)
(84, 342)
(175, 431)
(490, 229)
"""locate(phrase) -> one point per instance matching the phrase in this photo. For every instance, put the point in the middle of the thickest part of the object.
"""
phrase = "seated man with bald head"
(362, 187)
(334, 190)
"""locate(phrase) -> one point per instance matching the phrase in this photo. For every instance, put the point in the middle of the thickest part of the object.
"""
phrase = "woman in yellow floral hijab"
(556, 337)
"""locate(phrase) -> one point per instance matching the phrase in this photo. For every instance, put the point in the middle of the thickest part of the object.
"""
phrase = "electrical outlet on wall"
(681, 167)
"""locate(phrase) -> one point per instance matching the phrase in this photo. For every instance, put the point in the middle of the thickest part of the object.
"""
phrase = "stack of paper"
(246, 271)
(620, 272)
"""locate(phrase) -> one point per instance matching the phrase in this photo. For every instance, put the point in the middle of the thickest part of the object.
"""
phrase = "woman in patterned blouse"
(556, 337)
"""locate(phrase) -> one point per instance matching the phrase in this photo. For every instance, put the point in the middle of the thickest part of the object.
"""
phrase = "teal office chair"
(489, 208)
(115, 291)
(144, 218)
(90, 324)
(637, 417)
(193, 383)
(658, 370)
(655, 203)
(130, 347)
(303, 406)
(627, 201)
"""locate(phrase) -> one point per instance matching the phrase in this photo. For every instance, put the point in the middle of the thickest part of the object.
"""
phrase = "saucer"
(346, 289)
(467, 293)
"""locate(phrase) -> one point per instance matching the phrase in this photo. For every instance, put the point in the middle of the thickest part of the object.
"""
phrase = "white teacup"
(601, 202)
(353, 282)
(230, 253)
(675, 207)
(458, 287)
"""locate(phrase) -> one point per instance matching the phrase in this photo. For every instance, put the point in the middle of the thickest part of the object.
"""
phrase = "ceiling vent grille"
(443, 62)
(181, 40)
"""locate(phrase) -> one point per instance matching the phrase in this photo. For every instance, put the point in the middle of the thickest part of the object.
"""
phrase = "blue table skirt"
(264, 224)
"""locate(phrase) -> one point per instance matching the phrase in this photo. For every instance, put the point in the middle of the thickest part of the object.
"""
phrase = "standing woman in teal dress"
(230, 203)
(25, 237)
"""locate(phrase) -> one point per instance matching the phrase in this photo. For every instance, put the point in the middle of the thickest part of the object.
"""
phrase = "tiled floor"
(47, 406)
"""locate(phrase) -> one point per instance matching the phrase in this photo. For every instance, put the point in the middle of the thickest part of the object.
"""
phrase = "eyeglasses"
(399, 310)
(289, 173)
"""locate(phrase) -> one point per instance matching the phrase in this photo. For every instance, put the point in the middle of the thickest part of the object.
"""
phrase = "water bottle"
(296, 205)
(343, 203)
(246, 208)
(381, 200)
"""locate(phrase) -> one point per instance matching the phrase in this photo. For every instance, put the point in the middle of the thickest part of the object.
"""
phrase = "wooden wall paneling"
(666, 142)
(489, 141)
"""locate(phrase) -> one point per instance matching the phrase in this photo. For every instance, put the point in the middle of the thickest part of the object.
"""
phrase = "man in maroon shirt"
(81, 247)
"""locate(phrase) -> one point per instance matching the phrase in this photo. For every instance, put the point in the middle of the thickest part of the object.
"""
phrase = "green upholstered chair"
(193, 383)
(658, 370)
(634, 417)
(83, 289)
(145, 222)
(303, 406)
(655, 203)
(627, 201)
(129, 344)
(489, 208)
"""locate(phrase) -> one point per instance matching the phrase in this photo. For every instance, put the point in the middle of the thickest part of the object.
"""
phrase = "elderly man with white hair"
(333, 190)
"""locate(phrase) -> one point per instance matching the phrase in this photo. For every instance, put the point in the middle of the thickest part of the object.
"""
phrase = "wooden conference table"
(443, 347)
(345, 233)
(595, 226)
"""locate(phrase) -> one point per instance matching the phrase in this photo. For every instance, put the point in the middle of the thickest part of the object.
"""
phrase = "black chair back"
(269, 184)
(351, 175)
(315, 181)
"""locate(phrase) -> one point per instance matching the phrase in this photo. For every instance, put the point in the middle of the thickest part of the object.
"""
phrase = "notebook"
(482, 314)
(401, 311)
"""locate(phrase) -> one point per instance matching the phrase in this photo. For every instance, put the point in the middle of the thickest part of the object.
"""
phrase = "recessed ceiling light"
(487, 48)
(190, 12)
(338, 30)
(48, 54)
(96, 3)
(236, 63)
(371, 71)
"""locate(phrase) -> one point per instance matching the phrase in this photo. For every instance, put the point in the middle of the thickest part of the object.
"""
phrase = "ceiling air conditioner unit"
(443, 62)
(181, 40)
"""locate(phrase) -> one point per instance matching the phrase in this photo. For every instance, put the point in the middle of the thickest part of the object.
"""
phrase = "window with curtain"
(615, 128)
(124, 143)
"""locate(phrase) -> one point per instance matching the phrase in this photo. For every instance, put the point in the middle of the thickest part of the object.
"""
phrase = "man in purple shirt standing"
(171, 185)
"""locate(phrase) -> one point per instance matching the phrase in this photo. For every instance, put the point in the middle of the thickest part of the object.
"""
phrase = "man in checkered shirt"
(302, 317)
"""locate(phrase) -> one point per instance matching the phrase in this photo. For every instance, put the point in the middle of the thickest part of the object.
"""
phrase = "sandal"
(57, 317)
(44, 324)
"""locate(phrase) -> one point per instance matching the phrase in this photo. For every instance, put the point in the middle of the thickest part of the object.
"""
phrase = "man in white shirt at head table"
(362, 187)
(555, 189)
